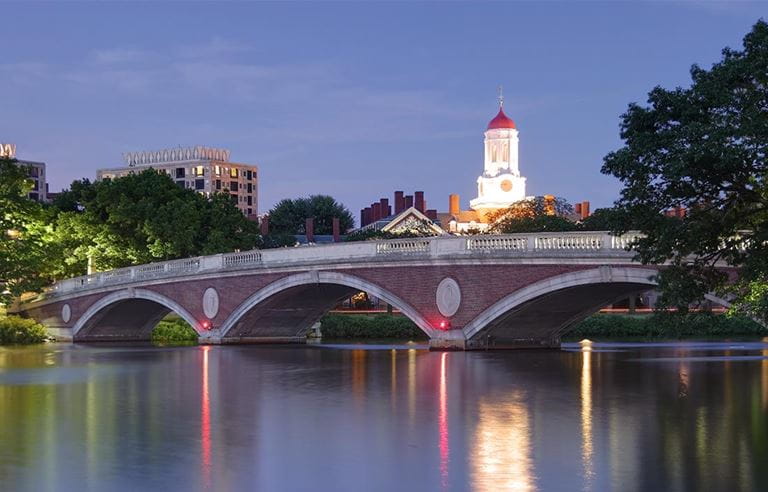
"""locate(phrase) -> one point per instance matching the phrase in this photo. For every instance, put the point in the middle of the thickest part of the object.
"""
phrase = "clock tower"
(500, 185)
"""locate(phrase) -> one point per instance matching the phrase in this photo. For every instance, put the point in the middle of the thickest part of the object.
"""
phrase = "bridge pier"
(448, 340)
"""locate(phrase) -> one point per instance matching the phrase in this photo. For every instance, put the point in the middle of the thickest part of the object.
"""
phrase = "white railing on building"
(562, 245)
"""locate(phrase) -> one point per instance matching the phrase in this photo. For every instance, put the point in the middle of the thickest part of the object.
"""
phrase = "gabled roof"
(414, 214)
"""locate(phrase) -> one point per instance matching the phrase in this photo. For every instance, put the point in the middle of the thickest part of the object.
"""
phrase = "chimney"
(408, 201)
(336, 230)
(577, 209)
(310, 230)
(584, 210)
(418, 198)
(362, 217)
(431, 214)
(367, 215)
(399, 202)
(384, 207)
(264, 225)
(376, 208)
(453, 204)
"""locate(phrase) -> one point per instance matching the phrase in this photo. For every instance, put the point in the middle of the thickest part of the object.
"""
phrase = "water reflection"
(586, 413)
(205, 421)
(266, 418)
(443, 422)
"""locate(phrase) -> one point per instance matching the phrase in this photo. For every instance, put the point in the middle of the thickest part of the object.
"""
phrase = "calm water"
(685, 416)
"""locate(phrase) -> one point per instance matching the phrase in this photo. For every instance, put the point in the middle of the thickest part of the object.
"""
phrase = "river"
(678, 416)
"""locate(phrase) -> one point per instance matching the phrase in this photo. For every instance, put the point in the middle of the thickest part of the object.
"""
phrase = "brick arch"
(99, 312)
(603, 285)
(316, 278)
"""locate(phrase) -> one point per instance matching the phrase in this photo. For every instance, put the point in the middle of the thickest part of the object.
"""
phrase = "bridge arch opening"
(289, 307)
(128, 315)
(539, 314)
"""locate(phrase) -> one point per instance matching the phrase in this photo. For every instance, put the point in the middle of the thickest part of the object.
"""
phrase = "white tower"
(500, 185)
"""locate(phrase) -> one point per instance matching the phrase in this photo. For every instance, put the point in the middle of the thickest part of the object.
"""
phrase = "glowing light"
(444, 325)
(206, 325)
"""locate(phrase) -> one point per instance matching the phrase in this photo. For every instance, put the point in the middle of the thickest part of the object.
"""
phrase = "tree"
(289, 215)
(538, 214)
(142, 218)
(702, 149)
(418, 229)
(605, 219)
(22, 244)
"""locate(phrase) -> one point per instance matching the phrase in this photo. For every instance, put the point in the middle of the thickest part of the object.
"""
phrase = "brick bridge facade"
(463, 292)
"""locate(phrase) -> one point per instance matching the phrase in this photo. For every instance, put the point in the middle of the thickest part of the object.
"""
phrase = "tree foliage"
(702, 148)
(289, 215)
(23, 247)
(142, 218)
(538, 214)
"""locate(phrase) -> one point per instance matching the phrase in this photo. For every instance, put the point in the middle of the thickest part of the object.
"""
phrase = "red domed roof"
(501, 121)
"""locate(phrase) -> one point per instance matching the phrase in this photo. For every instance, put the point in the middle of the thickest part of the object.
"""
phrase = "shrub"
(174, 330)
(666, 325)
(361, 326)
(15, 330)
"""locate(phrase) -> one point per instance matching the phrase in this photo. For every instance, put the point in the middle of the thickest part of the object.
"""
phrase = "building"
(39, 190)
(410, 213)
(500, 185)
(203, 169)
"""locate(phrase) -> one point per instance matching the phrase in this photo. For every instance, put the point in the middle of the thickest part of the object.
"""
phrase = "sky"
(350, 99)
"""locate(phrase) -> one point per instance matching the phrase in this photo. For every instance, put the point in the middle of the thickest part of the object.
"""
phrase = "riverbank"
(174, 331)
(598, 326)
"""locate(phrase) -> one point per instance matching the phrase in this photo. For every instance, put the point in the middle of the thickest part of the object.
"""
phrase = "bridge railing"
(578, 244)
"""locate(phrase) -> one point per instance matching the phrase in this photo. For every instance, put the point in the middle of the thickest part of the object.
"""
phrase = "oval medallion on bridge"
(448, 297)
(66, 313)
(210, 303)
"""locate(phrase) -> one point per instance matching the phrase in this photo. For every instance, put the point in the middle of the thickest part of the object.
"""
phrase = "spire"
(501, 97)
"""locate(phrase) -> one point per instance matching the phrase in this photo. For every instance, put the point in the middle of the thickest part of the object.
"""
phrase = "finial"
(501, 97)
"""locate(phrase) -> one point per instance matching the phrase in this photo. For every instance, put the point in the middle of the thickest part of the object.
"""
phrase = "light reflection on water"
(596, 416)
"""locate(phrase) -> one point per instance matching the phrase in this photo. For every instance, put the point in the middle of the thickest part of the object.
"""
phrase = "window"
(199, 184)
(250, 200)
(33, 196)
(250, 211)
(181, 184)
(36, 186)
(233, 196)
(233, 186)
(180, 172)
(218, 170)
(250, 187)
(198, 171)
(233, 173)
(218, 184)
(249, 174)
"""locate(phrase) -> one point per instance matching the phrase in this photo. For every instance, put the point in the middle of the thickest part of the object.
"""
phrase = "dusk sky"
(353, 100)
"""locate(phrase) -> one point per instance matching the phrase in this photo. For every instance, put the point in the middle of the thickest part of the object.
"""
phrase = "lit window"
(199, 171)
(218, 170)
(233, 173)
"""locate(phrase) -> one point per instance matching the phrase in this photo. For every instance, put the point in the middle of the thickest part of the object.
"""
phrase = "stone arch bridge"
(521, 290)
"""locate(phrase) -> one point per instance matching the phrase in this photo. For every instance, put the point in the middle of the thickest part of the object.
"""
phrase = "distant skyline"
(354, 100)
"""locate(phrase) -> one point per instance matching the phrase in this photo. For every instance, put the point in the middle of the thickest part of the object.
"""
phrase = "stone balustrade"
(558, 245)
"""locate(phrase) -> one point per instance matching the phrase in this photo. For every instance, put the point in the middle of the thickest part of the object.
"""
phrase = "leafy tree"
(702, 148)
(538, 214)
(289, 215)
(142, 218)
(22, 233)
(606, 219)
